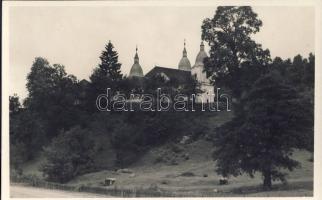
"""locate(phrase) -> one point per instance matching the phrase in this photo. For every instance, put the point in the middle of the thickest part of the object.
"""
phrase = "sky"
(75, 36)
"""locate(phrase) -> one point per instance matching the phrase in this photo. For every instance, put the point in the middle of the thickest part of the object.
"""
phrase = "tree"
(27, 134)
(109, 65)
(14, 104)
(52, 95)
(70, 153)
(301, 72)
(18, 156)
(106, 75)
(309, 72)
(281, 65)
(296, 71)
(268, 125)
(228, 34)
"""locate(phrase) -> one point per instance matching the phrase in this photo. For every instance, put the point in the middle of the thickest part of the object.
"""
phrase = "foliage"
(299, 72)
(269, 123)
(27, 134)
(106, 75)
(133, 133)
(188, 174)
(109, 65)
(52, 95)
(232, 48)
(18, 156)
(14, 104)
(70, 153)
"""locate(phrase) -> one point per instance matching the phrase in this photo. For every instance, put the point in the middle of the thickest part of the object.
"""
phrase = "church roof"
(184, 64)
(136, 70)
(180, 75)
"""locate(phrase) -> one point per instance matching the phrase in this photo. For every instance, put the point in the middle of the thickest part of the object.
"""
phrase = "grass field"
(148, 174)
(169, 177)
(192, 173)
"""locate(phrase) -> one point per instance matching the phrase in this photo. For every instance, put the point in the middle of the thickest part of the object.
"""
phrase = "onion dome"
(201, 55)
(184, 63)
(136, 69)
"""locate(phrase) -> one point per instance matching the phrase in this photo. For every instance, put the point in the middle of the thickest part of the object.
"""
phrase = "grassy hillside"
(187, 169)
(196, 176)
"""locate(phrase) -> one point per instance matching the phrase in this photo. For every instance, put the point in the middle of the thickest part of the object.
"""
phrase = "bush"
(17, 157)
(165, 182)
(176, 148)
(27, 135)
(70, 153)
(173, 162)
(159, 159)
(188, 174)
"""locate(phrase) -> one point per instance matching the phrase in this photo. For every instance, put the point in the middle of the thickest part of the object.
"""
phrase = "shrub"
(159, 159)
(173, 162)
(187, 174)
(176, 148)
(17, 157)
(27, 134)
(165, 182)
(70, 153)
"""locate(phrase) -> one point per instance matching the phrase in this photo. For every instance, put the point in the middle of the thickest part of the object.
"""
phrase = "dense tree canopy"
(27, 135)
(14, 104)
(271, 121)
(52, 95)
(229, 35)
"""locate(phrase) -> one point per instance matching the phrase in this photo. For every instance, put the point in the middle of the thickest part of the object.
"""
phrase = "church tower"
(198, 68)
(136, 69)
(197, 71)
(184, 63)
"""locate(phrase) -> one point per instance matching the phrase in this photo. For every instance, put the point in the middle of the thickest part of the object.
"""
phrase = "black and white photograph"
(160, 99)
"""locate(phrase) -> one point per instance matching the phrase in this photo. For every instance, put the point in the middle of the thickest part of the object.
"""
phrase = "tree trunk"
(267, 180)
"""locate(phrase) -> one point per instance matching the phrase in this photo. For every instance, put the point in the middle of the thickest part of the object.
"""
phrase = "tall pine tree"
(106, 75)
(109, 65)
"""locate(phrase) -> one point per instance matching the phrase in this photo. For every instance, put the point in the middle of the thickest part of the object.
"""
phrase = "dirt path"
(20, 191)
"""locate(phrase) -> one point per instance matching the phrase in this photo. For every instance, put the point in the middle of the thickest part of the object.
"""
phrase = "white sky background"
(75, 36)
